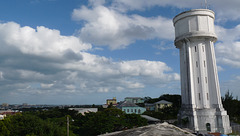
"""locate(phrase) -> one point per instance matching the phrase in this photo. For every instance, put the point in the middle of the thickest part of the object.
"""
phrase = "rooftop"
(127, 104)
(163, 102)
(133, 98)
(159, 129)
(150, 118)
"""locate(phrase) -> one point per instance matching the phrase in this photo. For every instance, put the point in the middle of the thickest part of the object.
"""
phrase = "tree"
(29, 124)
(175, 99)
(232, 106)
(135, 120)
(4, 131)
(109, 120)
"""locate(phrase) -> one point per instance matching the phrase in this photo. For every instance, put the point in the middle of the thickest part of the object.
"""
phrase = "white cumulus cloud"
(228, 47)
(39, 41)
(106, 26)
(42, 62)
(224, 9)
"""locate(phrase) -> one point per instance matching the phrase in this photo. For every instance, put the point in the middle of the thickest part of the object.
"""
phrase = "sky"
(87, 51)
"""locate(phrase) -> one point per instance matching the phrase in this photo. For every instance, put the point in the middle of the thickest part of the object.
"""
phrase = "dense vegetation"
(166, 113)
(232, 106)
(41, 123)
(53, 123)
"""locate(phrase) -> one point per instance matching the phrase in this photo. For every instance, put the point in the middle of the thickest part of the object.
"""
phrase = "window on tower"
(198, 79)
(196, 64)
(195, 48)
(199, 96)
(203, 48)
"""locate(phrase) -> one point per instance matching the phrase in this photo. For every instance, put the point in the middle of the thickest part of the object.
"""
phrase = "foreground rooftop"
(160, 129)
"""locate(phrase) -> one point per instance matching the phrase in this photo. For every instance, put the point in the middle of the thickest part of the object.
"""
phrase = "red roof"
(215, 134)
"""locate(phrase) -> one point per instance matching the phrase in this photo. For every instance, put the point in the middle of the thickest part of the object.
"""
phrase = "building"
(83, 111)
(157, 105)
(4, 113)
(5, 104)
(202, 108)
(150, 106)
(105, 106)
(162, 104)
(112, 101)
(130, 108)
(134, 99)
(2, 116)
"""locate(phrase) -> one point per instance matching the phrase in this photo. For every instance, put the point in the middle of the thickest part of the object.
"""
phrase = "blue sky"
(87, 51)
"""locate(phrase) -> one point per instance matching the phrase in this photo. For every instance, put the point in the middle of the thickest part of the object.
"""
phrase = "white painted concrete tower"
(202, 108)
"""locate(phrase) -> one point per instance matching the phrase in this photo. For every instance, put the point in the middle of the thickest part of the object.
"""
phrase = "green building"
(135, 99)
(130, 108)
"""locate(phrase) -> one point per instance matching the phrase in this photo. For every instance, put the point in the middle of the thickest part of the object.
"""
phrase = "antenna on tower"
(206, 5)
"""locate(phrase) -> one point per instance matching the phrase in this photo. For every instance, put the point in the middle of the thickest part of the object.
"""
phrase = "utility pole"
(67, 126)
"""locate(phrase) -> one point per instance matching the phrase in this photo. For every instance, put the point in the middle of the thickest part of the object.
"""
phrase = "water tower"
(201, 109)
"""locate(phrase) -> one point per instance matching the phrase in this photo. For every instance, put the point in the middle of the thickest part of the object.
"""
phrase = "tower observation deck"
(201, 99)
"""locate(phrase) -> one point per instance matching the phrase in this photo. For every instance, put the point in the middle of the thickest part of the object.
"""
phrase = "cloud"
(96, 2)
(224, 9)
(92, 74)
(41, 63)
(228, 47)
(110, 24)
(108, 27)
(46, 85)
(231, 85)
(39, 41)
(144, 5)
(219, 68)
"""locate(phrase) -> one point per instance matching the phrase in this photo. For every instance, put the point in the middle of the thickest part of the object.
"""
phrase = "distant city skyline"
(84, 52)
